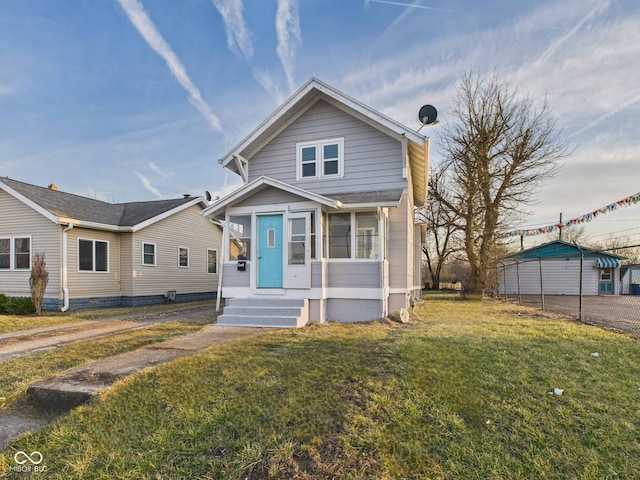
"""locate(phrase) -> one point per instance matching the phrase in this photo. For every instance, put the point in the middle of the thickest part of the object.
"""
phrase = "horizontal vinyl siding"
(269, 196)
(349, 310)
(360, 274)
(19, 220)
(185, 229)
(126, 256)
(372, 160)
(93, 284)
(560, 277)
(400, 271)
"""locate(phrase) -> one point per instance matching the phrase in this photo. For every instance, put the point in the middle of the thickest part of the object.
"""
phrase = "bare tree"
(442, 240)
(623, 246)
(497, 150)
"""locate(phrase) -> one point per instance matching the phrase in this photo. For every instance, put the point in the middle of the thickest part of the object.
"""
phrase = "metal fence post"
(580, 297)
(518, 278)
(541, 283)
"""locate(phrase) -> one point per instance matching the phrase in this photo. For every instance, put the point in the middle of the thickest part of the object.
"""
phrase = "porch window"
(366, 235)
(352, 235)
(297, 236)
(339, 235)
(320, 159)
(93, 256)
(240, 237)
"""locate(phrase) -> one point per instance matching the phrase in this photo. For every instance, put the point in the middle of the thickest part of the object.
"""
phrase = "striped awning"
(608, 262)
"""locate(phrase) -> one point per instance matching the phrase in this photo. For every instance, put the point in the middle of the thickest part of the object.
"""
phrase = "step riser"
(265, 312)
(265, 302)
(257, 321)
(262, 311)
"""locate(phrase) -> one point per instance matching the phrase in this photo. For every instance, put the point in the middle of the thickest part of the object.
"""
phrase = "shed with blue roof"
(554, 269)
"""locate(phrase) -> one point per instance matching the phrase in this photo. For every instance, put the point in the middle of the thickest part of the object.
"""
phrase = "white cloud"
(238, 35)
(157, 169)
(139, 18)
(147, 185)
(598, 9)
(289, 36)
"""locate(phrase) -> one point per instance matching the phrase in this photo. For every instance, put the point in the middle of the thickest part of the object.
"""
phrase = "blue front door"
(270, 251)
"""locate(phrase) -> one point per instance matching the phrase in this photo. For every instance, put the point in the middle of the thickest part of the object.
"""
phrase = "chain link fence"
(588, 285)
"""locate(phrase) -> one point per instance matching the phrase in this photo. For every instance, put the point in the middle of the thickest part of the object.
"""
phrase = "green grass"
(17, 373)
(463, 393)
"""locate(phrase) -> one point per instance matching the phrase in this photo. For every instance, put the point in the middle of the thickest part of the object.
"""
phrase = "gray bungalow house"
(323, 228)
(101, 254)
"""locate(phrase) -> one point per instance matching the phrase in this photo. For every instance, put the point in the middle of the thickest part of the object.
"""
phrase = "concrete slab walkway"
(78, 385)
(57, 394)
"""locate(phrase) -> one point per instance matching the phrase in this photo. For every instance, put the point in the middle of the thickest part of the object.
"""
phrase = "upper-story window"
(320, 159)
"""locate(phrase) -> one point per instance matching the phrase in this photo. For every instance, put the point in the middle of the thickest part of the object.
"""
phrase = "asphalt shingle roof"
(75, 207)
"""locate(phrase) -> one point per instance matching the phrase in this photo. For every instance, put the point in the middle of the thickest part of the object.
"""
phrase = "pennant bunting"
(587, 217)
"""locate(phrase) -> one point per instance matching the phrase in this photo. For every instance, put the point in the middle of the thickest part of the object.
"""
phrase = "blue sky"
(126, 100)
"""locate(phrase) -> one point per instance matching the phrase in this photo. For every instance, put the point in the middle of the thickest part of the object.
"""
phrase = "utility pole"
(560, 228)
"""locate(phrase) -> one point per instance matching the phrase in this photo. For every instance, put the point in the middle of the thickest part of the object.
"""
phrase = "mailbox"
(242, 265)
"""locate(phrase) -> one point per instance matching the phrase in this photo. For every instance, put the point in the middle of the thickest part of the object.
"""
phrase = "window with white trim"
(212, 261)
(183, 257)
(240, 237)
(93, 255)
(149, 254)
(320, 159)
(352, 235)
(15, 253)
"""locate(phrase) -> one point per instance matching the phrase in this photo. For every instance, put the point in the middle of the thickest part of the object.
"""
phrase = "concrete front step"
(265, 312)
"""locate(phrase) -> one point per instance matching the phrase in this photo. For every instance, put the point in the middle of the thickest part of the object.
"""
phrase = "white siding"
(559, 276)
(19, 220)
(185, 229)
(372, 160)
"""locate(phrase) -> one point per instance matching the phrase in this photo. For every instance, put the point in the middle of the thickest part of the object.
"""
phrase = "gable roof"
(558, 248)
(311, 92)
(63, 208)
(261, 183)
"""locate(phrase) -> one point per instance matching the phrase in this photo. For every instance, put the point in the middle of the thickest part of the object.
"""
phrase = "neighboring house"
(559, 264)
(323, 228)
(630, 279)
(102, 254)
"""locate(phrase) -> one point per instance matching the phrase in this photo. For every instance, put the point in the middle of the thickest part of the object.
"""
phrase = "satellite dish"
(207, 195)
(428, 115)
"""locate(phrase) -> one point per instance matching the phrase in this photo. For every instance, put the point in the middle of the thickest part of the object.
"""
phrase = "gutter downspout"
(65, 288)
(381, 230)
(222, 259)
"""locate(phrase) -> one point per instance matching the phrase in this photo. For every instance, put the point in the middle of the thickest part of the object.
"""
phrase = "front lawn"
(465, 392)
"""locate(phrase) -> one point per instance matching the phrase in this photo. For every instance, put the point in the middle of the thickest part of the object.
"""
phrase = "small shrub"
(38, 280)
(16, 305)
